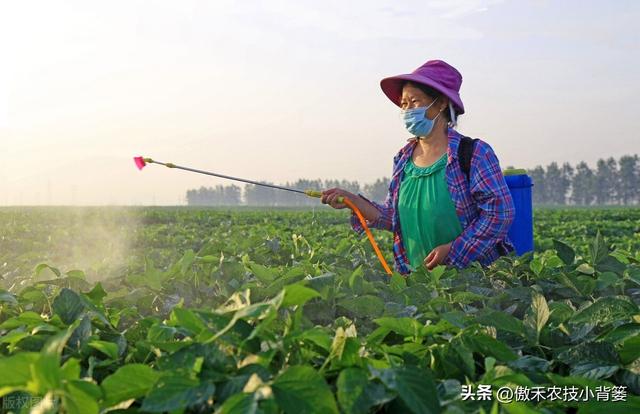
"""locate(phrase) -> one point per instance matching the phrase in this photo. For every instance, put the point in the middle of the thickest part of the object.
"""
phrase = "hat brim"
(392, 87)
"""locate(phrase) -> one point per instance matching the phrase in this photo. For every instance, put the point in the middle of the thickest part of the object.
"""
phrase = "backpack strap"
(465, 153)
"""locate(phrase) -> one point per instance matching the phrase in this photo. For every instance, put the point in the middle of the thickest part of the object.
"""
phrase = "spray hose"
(142, 161)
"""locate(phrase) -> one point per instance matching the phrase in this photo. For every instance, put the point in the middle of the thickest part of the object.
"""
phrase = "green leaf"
(466, 298)
(606, 310)
(6, 297)
(129, 381)
(70, 370)
(78, 274)
(436, 273)
(536, 266)
(161, 333)
(28, 319)
(19, 365)
(239, 404)
(345, 350)
(537, 317)
(621, 333)
(297, 294)
(208, 259)
(263, 273)
(39, 268)
(597, 353)
(174, 393)
(151, 278)
(300, 389)
(414, 386)
(366, 306)
(47, 375)
(318, 336)
(110, 349)
(356, 394)
(397, 282)
(630, 377)
(611, 264)
(76, 401)
(187, 319)
(594, 370)
(489, 346)
(598, 249)
(502, 321)
(68, 305)
(402, 326)
(530, 363)
(357, 274)
(337, 346)
(88, 387)
(606, 279)
(565, 253)
(586, 269)
(13, 338)
(630, 350)
(540, 310)
(46, 372)
(186, 261)
(96, 294)
(553, 262)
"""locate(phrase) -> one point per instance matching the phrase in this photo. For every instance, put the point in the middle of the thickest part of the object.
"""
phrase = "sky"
(280, 90)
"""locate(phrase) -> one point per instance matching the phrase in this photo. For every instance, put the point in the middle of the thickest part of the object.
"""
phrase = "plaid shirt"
(483, 205)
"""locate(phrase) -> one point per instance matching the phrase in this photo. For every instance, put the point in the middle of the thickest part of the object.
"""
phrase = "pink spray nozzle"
(139, 162)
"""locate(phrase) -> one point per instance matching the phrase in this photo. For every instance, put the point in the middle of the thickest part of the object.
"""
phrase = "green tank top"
(427, 214)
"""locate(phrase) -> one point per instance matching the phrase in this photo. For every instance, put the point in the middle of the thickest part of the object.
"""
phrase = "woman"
(436, 214)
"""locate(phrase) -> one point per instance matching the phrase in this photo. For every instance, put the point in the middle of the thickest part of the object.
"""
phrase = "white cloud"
(454, 9)
(365, 20)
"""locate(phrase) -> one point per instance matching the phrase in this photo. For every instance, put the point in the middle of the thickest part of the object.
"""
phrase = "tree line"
(253, 195)
(610, 182)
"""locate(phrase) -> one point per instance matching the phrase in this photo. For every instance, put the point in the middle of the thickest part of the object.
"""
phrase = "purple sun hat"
(435, 73)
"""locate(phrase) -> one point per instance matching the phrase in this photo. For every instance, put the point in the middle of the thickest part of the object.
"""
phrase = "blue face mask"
(416, 121)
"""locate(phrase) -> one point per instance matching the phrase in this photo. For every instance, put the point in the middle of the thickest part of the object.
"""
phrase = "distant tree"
(231, 195)
(601, 191)
(377, 190)
(556, 192)
(351, 186)
(539, 185)
(256, 195)
(605, 181)
(566, 180)
(582, 191)
(288, 198)
(628, 179)
(613, 180)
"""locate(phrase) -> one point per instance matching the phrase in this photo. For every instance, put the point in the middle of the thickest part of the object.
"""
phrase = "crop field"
(194, 310)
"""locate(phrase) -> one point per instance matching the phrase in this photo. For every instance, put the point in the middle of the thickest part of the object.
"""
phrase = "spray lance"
(142, 161)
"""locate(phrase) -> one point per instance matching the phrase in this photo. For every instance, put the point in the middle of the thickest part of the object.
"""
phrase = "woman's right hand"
(330, 197)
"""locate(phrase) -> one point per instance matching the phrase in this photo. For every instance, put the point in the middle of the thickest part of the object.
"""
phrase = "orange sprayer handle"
(369, 235)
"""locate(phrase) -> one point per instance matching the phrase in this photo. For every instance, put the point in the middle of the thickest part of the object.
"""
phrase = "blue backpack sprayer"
(520, 185)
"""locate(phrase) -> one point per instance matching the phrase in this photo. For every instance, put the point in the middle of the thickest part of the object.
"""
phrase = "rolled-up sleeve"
(386, 208)
(496, 210)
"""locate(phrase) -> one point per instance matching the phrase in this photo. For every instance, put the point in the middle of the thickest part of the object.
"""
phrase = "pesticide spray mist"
(99, 241)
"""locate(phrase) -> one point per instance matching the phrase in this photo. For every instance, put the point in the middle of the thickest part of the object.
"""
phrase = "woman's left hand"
(437, 256)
